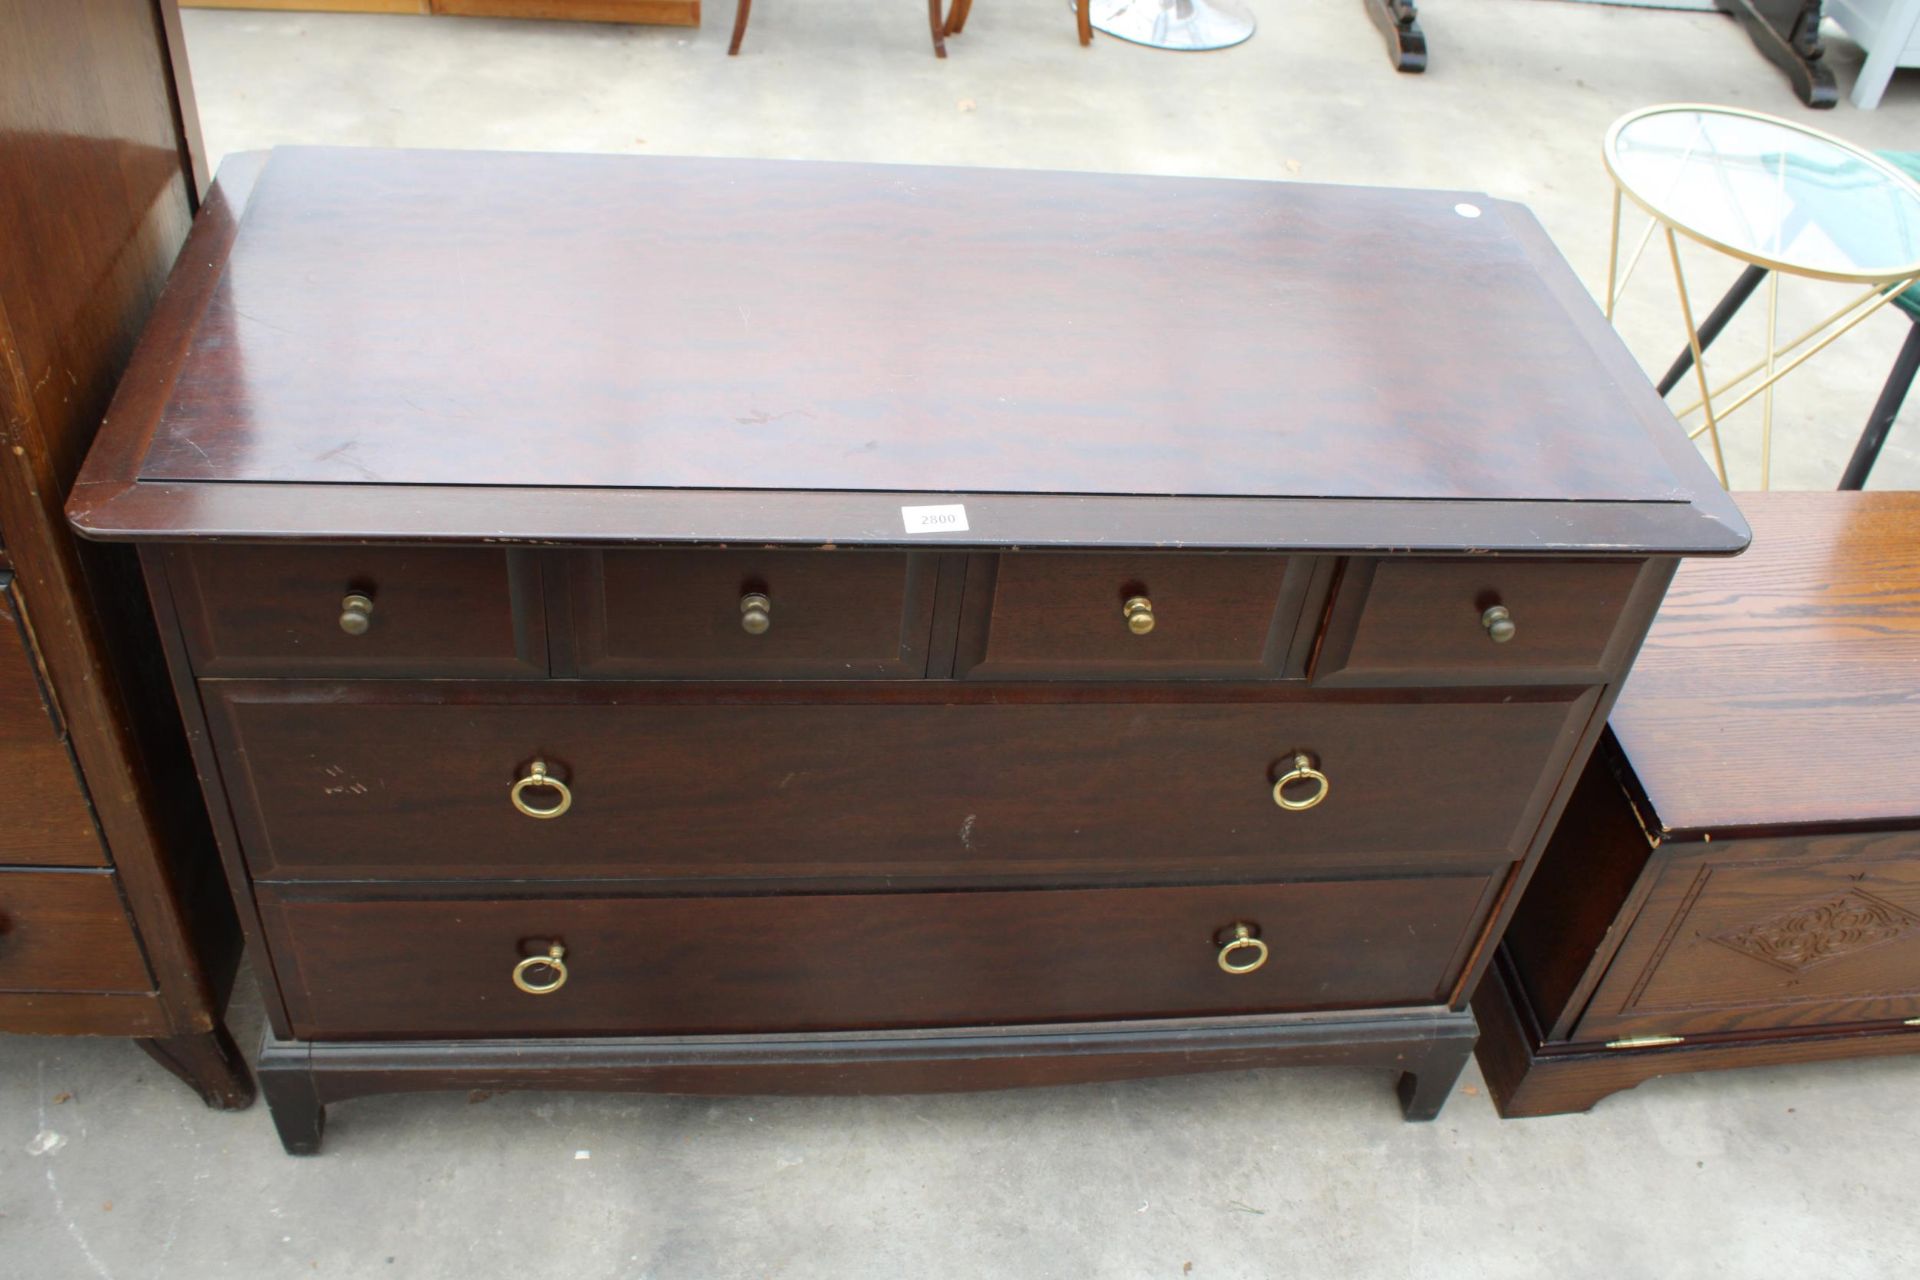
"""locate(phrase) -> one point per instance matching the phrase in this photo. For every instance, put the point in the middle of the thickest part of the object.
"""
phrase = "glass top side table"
(1783, 198)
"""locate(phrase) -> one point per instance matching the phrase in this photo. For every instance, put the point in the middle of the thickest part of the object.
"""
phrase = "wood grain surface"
(1782, 689)
(405, 780)
(776, 329)
(49, 820)
(67, 931)
(361, 965)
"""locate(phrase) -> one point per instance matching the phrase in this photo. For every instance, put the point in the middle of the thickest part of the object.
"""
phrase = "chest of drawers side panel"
(154, 561)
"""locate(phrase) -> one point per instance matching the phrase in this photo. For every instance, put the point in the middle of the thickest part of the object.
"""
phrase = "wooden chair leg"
(739, 25)
(1083, 15)
(957, 16)
(939, 25)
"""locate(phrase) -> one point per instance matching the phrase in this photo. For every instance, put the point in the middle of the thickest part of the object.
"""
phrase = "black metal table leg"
(1399, 22)
(1788, 32)
(1716, 320)
(1885, 410)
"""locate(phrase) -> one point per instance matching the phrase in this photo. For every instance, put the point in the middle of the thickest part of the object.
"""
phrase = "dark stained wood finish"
(1760, 927)
(1427, 1047)
(856, 962)
(98, 149)
(1810, 645)
(1587, 881)
(647, 449)
(732, 380)
(67, 931)
(413, 780)
(783, 337)
(1753, 934)
(1037, 616)
(676, 614)
(209, 1063)
(1405, 621)
(50, 821)
(1528, 1079)
(275, 610)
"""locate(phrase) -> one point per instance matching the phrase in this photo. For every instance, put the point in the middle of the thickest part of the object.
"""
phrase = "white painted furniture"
(1889, 30)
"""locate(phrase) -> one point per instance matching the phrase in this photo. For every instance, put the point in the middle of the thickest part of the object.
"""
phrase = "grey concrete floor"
(1279, 1174)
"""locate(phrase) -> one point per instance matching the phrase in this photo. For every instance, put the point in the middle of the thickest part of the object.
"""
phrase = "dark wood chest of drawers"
(822, 648)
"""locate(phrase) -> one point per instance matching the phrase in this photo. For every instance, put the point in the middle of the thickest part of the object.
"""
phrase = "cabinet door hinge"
(1645, 1042)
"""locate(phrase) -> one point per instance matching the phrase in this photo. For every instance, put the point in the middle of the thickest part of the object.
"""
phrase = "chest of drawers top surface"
(428, 345)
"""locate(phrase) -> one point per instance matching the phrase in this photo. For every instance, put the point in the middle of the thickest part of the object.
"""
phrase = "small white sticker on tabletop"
(947, 519)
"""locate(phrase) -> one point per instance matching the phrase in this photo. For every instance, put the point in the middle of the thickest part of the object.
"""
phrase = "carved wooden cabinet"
(861, 628)
(1737, 878)
(113, 916)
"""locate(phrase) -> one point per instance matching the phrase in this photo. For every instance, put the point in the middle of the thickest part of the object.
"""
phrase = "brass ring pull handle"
(1242, 952)
(1138, 612)
(554, 962)
(537, 776)
(1498, 622)
(1302, 771)
(356, 614)
(756, 613)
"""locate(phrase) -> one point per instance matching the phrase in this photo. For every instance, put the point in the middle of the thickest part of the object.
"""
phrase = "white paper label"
(948, 519)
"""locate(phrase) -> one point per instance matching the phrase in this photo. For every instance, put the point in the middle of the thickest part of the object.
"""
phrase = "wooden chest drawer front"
(816, 962)
(1032, 615)
(67, 931)
(428, 611)
(751, 614)
(46, 819)
(1417, 621)
(399, 781)
(1767, 934)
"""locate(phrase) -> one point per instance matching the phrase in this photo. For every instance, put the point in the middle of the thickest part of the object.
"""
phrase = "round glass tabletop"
(1770, 192)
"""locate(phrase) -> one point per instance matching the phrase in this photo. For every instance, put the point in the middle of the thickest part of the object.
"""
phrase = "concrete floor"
(108, 1168)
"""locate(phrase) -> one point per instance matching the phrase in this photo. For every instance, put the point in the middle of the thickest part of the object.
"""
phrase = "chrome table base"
(1190, 25)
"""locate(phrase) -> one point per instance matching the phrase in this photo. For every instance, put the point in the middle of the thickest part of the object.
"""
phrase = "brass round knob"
(537, 777)
(1138, 612)
(1302, 771)
(1242, 952)
(356, 614)
(553, 962)
(756, 613)
(1498, 622)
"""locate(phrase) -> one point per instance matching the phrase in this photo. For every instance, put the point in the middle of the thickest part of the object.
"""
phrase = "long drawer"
(355, 966)
(381, 781)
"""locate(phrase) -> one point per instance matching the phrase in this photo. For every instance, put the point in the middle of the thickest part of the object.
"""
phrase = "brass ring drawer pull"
(537, 776)
(554, 962)
(1302, 771)
(756, 613)
(1138, 612)
(1498, 621)
(356, 614)
(1243, 951)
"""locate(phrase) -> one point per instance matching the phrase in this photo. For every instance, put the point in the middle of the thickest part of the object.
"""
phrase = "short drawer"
(379, 966)
(339, 781)
(360, 610)
(1409, 620)
(67, 931)
(1041, 616)
(836, 615)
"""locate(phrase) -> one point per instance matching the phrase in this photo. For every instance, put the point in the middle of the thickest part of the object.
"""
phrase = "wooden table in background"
(665, 13)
